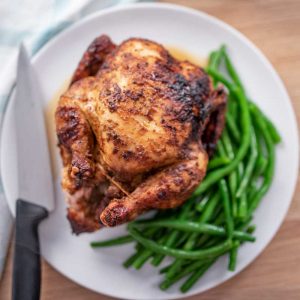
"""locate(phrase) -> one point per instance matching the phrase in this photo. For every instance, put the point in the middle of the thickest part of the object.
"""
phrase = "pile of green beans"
(217, 218)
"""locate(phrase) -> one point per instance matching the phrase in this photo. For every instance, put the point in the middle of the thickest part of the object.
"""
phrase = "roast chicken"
(135, 130)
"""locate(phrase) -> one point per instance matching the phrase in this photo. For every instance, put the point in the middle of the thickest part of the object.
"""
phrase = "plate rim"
(231, 29)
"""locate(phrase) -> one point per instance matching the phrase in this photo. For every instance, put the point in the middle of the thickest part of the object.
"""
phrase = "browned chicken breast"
(135, 130)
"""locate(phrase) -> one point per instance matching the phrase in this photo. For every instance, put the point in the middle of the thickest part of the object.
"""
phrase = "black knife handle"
(27, 265)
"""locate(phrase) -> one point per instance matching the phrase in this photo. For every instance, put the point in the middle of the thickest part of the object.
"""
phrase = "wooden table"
(274, 26)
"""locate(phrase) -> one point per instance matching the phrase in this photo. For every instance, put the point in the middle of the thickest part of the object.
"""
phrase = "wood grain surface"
(274, 26)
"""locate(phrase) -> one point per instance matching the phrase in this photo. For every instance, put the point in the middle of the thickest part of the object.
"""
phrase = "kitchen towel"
(34, 23)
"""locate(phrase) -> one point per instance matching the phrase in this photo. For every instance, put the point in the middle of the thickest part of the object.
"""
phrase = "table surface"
(274, 26)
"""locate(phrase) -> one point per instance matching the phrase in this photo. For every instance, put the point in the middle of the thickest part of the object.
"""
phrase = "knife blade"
(34, 169)
(34, 181)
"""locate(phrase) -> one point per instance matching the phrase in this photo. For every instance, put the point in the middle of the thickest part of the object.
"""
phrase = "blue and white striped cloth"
(34, 22)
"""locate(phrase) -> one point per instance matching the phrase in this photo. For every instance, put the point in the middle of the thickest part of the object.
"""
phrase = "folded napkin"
(34, 23)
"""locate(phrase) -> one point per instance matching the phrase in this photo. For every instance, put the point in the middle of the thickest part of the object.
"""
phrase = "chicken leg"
(166, 189)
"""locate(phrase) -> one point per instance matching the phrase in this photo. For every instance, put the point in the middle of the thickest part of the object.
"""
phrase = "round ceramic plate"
(101, 270)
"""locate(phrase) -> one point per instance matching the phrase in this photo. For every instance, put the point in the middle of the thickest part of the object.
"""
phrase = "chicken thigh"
(135, 129)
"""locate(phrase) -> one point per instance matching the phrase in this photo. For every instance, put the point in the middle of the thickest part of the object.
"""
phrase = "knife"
(34, 181)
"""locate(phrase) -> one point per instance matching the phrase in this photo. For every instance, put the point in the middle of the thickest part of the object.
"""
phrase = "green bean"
(195, 277)
(261, 161)
(227, 210)
(182, 239)
(171, 239)
(140, 261)
(165, 269)
(269, 172)
(143, 253)
(113, 242)
(219, 220)
(221, 149)
(252, 189)
(185, 271)
(240, 170)
(232, 178)
(219, 77)
(273, 132)
(218, 162)
(209, 208)
(211, 58)
(233, 251)
(138, 246)
(260, 167)
(232, 187)
(205, 216)
(178, 253)
(244, 224)
(215, 59)
(233, 108)
(251, 229)
(259, 138)
(216, 213)
(188, 226)
(231, 70)
(250, 166)
(201, 205)
(202, 242)
(232, 259)
(234, 206)
(243, 206)
(159, 234)
(227, 144)
(230, 123)
(276, 138)
(130, 260)
(169, 282)
(212, 241)
(218, 174)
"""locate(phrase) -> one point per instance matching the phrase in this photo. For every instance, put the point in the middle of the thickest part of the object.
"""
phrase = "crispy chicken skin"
(135, 129)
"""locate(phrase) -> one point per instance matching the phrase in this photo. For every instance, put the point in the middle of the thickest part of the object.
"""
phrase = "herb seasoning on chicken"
(135, 129)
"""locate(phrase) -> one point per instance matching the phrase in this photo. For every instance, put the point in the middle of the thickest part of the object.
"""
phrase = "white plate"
(198, 33)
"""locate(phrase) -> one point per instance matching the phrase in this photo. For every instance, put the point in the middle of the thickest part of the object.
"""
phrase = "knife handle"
(27, 265)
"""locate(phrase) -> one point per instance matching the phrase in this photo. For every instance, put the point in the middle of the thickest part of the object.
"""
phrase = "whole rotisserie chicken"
(135, 130)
